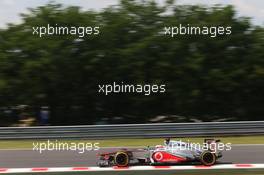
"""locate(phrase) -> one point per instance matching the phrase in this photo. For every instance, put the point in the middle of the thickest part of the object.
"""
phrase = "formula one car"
(172, 152)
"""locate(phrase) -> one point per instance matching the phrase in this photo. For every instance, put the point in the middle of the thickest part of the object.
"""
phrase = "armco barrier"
(135, 130)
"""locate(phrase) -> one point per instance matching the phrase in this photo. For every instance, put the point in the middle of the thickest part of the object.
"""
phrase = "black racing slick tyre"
(207, 158)
(121, 159)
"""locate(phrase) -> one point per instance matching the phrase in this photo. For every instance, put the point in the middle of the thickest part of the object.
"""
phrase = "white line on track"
(132, 168)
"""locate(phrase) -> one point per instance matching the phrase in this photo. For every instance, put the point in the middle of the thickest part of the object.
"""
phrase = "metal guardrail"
(135, 130)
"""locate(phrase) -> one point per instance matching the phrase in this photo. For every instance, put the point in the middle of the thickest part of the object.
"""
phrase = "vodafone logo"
(158, 156)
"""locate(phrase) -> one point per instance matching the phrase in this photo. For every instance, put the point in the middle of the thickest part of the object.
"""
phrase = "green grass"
(190, 172)
(28, 144)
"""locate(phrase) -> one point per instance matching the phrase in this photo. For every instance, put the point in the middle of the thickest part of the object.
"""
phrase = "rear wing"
(212, 145)
(211, 141)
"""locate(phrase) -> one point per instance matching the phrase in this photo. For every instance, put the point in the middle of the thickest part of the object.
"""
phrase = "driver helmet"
(167, 141)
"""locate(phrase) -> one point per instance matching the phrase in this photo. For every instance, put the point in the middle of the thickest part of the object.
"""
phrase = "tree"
(204, 76)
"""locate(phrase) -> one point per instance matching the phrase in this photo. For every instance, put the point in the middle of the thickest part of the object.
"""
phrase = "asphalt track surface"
(29, 158)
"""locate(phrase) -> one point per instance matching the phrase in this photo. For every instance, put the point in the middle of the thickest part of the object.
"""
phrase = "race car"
(172, 152)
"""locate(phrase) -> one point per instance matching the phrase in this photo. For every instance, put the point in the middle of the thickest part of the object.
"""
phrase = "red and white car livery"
(175, 152)
(172, 152)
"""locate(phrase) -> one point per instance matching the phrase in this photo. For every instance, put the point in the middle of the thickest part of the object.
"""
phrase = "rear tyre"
(207, 158)
(121, 159)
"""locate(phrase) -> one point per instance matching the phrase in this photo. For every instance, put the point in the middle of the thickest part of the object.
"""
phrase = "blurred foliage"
(205, 77)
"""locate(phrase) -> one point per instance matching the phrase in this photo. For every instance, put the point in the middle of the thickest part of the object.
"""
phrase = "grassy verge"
(28, 144)
(193, 172)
